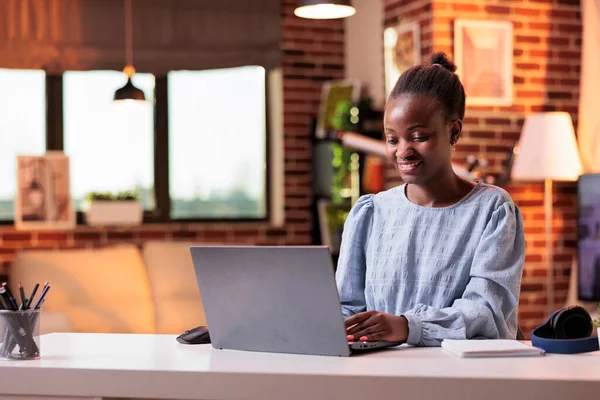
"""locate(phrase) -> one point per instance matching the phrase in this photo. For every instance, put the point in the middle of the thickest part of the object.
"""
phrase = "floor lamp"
(547, 150)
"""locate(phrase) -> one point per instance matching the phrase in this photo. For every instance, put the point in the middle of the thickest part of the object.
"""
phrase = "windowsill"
(158, 226)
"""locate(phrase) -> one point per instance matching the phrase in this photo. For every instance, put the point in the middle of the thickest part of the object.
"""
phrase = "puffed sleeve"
(488, 305)
(351, 267)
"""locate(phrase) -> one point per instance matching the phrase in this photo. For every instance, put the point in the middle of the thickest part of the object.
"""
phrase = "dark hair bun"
(442, 59)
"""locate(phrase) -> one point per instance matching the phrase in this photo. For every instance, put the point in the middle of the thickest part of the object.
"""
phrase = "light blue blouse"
(454, 272)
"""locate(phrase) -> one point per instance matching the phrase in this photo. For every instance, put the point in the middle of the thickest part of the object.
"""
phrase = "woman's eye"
(392, 140)
(420, 138)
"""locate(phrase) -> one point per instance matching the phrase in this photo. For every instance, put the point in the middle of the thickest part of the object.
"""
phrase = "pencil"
(30, 300)
(22, 293)
(7, 300)
(42, 297)
(10, 297)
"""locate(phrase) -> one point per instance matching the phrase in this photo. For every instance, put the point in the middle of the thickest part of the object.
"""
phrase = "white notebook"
(490, 348)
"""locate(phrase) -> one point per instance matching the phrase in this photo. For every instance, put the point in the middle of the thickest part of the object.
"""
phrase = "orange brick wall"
(313, 53)
(546, 77)
(402, 11)
(547, 49)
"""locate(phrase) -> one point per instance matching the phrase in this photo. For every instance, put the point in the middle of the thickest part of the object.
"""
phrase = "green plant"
(108, 196)
(341, 176)
(345, 117)
(127, 195)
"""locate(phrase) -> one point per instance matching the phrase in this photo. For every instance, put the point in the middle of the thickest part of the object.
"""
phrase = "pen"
(42, 296)
(3, 304)
(6, 298)
(30, 300)
(22, 293)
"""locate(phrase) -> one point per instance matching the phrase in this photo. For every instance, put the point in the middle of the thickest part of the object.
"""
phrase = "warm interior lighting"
(547, 151)
(129, 91)
(322, 9)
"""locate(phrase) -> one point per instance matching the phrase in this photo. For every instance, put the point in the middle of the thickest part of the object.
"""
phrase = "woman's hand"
(375, 325)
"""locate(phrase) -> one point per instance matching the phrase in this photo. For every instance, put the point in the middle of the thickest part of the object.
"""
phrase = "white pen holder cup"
(19, 334)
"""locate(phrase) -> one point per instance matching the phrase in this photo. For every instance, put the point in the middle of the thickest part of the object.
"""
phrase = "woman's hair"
(436, 79)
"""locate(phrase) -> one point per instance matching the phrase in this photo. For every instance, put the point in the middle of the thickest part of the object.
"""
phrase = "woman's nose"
(404, 150)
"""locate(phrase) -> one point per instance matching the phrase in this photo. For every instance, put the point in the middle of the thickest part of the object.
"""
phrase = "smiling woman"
(439, 257)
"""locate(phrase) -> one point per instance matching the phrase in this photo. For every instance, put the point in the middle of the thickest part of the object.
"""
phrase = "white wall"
(588, 128)
(364, 48)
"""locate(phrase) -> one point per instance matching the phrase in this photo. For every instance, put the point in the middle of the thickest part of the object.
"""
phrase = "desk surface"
(156, 366)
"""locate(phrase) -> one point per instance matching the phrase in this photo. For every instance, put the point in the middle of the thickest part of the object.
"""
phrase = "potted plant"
(108, 209)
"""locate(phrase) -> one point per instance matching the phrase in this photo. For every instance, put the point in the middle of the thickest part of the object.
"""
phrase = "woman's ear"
(455, 131)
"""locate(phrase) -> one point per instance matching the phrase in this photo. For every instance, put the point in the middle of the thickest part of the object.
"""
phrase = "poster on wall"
(483, 53)
(43, 198)
(401, 50)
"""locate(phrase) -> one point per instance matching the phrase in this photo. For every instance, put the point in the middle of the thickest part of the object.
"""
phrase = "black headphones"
(567, 331)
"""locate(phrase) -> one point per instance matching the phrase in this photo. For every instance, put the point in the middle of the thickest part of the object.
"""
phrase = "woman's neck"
(439, 193)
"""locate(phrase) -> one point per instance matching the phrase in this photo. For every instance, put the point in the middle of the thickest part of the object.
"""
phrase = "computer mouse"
(197, 335)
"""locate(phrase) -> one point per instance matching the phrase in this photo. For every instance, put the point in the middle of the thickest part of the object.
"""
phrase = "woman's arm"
(351, 266)
(488, 306)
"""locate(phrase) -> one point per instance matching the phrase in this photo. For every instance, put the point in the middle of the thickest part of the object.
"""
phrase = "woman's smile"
(409, 167)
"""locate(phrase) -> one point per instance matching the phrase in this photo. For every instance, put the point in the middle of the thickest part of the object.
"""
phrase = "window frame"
(49, 145)
(161, 213)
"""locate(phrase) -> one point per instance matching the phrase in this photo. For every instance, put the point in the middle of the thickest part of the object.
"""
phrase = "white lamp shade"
(547, 149)
(324, 9)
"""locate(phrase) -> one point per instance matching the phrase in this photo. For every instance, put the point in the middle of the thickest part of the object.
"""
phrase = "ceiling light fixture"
(324, 9)
(129, 91)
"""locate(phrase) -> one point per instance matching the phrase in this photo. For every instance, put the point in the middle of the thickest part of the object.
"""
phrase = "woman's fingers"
(357, 318)
(360, 326)
(373, 336)
(367, 331)
(378, 326)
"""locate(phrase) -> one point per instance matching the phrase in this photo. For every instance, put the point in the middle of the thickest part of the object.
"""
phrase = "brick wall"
(404, 11)
(547, 48)
(313, 53)
(546, 77)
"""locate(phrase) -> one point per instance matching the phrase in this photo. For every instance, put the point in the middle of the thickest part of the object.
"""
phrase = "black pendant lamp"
(129, 91)
(324, 9)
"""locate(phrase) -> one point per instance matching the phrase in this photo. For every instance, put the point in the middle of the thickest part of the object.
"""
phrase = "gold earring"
(453, 147)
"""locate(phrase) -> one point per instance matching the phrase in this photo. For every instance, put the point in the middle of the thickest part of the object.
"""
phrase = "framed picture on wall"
(401, 50)
(333, 92)
(483, 53)
(43, 198)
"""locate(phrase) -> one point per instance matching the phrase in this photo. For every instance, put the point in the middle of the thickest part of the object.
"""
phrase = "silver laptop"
(280, 299)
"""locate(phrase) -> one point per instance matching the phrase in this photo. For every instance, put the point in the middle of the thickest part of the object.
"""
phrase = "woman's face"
(418, 138)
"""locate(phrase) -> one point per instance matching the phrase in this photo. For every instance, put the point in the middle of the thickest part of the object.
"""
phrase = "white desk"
(156, 366)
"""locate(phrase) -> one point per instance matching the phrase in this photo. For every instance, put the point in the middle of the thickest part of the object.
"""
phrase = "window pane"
(22, 127)
(217, 143)
(110, 145)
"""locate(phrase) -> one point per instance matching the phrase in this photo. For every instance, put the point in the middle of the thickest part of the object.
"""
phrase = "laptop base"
(359, 346)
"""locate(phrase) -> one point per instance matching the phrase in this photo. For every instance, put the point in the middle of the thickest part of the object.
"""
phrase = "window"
(196, 150)
(22, 127)
(110, 145)
(217, 143)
